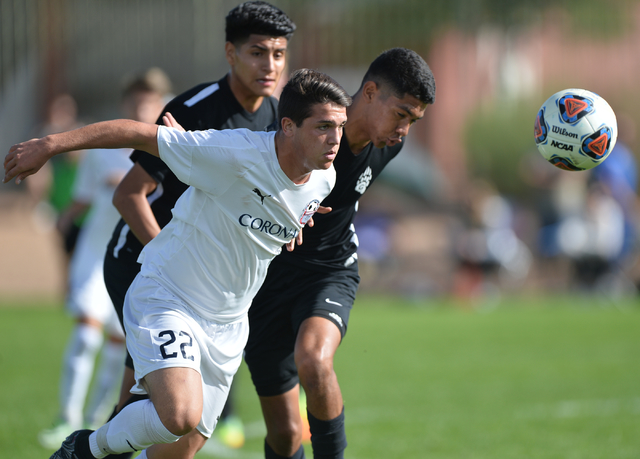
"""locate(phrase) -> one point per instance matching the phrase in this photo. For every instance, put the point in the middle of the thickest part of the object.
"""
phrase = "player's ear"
(370, 90)
(230, 53)
(288, 126)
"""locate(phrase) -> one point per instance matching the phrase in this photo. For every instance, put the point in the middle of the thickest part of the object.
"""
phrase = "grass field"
(553, 379)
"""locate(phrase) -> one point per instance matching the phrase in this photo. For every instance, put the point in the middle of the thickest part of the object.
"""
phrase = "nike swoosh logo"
(332, 302)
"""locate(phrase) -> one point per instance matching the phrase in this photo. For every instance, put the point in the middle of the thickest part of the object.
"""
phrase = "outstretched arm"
(27, 158)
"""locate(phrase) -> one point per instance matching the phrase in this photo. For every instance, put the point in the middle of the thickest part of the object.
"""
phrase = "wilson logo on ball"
(573, 107)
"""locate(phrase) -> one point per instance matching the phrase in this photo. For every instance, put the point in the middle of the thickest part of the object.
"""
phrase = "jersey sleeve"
(208, 160)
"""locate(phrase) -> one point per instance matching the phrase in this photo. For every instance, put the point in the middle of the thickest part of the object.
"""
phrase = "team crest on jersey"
(311, 209)
(364, 181)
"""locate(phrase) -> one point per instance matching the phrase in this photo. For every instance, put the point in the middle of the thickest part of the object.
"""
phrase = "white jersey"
(239, 211)
(98, 174)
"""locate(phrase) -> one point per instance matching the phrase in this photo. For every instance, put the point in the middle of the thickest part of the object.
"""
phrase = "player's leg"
(185, 448)
(107, 376)
(174, 409)
(87, 301)
(177, 393)
(167, 344)
(284, 425)
(166, 333)
(317, 342)
(107, 381)
(322, 319)
(269, 357)
(77, 369)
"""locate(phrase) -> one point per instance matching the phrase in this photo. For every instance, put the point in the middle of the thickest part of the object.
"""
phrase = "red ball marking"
(574, 106)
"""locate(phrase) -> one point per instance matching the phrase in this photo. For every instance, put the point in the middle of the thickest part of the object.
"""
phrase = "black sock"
(328, 438)
(271, 454)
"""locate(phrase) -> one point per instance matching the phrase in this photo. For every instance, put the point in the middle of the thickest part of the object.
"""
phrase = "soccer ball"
(575, 129)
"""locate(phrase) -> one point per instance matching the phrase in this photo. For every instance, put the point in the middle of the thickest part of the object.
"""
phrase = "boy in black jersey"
(299, 317)
(257, 36)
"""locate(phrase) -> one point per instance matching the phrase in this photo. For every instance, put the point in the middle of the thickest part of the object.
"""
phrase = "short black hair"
(305, 89)
(259, 18)
(404, 72)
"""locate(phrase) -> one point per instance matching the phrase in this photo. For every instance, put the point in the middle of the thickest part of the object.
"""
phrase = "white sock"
(77, 369)
(106, 384)
(135, 428)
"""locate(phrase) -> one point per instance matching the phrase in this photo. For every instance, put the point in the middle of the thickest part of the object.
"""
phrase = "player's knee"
(285, 437)
(182, 419)
(314, 369)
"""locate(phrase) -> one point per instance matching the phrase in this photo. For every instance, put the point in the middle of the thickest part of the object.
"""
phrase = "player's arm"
(130, 198)
(27, 158)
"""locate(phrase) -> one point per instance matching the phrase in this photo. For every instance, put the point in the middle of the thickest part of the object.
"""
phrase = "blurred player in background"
(299, 316)
(257, 35)
(186, 311)
(99, 173)
(52, 188)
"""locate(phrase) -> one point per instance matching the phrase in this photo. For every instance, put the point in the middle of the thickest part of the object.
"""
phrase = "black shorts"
(290, 295)
(118, 276)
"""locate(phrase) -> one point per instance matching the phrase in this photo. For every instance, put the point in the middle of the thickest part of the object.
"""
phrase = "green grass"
(555, 378)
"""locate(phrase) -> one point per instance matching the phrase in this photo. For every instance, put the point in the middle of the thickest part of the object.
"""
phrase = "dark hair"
(403, 71)
(305, 89)
(259, 18)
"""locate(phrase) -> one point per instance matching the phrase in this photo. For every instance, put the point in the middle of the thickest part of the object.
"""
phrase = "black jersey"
(332, 243)
(206, 106)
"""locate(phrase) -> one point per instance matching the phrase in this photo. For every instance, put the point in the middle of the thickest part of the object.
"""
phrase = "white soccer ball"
(575, 129)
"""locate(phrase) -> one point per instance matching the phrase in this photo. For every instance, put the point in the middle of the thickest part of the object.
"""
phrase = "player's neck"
(355, 130)
(288, 161)
(247, 99)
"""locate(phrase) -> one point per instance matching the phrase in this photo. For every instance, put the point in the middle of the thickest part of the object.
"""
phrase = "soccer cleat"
(51, 438)
(71, 449)
(230, 432)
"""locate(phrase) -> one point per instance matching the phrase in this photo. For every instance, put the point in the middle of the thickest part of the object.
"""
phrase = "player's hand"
(171, 122)
(298, 239)
(25, 159)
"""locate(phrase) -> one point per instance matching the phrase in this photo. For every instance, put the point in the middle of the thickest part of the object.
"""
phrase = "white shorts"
(88, 296)
(163, 332)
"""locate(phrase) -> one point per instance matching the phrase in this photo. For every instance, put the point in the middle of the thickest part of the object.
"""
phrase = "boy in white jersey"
(185, 314)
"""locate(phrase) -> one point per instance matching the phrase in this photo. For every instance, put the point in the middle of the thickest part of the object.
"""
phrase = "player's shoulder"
(197, 94)
(239, 140)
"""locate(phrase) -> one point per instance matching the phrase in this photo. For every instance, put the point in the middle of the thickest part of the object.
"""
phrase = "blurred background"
(469, 210)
